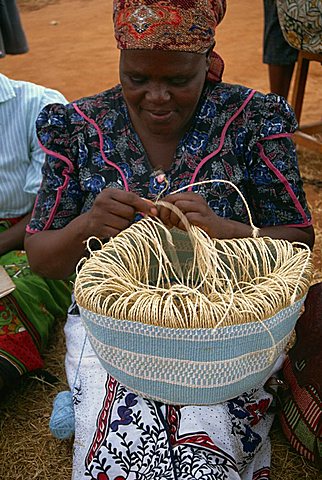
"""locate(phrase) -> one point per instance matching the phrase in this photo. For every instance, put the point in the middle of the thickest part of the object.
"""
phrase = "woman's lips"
(160, 116)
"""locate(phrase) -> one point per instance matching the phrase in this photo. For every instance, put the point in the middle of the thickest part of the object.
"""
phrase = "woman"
(170, 123)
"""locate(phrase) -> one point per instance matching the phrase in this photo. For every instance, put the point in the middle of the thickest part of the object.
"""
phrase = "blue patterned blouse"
(237, 135)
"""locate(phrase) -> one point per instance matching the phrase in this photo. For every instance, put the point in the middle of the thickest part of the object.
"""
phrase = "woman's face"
(162, 88)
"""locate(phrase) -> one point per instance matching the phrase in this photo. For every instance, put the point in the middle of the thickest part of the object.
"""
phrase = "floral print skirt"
(120, 435)
(27, 315)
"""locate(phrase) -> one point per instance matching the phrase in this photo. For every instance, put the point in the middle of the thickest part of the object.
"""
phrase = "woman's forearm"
(233, 229)
(292, 234)
(55, 253)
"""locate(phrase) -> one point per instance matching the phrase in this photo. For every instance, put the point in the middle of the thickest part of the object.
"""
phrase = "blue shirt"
(21, 158)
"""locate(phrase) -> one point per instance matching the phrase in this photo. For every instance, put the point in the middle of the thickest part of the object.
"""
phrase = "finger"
(124, 204)
(116, 222)
(153, 209)
(122, 210)
(181, 226)
(107, 225)
(174, 219)
(164, 215)
(189, 206)
(206, 223)
(109, 233)
(131, 199)
(193, 219)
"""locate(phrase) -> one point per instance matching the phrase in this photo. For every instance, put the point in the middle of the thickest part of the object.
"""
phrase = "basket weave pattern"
(189, 366)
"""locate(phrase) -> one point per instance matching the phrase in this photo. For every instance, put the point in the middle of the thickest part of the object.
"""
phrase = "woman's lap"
(121, 435)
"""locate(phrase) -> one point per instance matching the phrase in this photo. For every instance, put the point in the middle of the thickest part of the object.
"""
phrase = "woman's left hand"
(198, 213)
(196, 210)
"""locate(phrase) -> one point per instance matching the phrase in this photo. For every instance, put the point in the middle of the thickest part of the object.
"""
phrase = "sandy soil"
(72, 48)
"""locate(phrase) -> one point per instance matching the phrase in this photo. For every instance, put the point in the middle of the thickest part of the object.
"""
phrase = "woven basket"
(189, 366)
(186, 366)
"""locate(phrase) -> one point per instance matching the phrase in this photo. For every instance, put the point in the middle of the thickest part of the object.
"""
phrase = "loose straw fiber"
(187, 280)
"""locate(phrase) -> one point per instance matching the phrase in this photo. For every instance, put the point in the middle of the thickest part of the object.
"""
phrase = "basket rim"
(203, 330)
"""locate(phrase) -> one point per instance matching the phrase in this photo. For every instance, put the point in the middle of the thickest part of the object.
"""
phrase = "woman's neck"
(161, 155)
(160, 150)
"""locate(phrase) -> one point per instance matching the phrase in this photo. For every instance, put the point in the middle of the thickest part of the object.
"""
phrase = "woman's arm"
(55, 253)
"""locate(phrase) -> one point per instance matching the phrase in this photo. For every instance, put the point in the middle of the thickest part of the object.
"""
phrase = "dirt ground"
(72, 49)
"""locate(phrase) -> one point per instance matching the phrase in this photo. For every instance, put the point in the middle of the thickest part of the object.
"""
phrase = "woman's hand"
(113, 211)
(201, 215)
(55, 253)
(197, 212)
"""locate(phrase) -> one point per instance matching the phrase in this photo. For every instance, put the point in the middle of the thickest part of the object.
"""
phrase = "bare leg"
(280, 77)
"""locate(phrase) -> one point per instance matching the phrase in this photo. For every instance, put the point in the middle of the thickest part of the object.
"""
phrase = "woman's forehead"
(141, 60)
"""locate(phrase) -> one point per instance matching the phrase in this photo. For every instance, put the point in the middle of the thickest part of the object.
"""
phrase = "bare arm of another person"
(12, 238)
(200, 214)
(55, 253)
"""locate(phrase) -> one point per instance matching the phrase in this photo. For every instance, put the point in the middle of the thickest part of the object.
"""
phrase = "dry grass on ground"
(29, 452)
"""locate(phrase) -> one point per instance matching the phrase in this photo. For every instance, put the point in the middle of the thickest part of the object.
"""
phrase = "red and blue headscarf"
(182, 25)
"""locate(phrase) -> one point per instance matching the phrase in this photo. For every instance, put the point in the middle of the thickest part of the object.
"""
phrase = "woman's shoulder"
(59, 120)
(90, 105)
(108, 99)
(265, 111)
(226, 94)
(229, 93)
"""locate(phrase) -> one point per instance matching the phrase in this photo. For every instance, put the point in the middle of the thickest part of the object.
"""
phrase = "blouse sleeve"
(42, 97)
(59, 198)
(276, 187)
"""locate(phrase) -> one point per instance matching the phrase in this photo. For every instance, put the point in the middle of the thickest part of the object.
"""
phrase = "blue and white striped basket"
(190, 366)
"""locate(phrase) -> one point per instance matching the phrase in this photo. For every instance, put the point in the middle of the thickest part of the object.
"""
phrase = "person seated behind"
(28, 313)
(277, 53)
(12, 36)
(171, 122)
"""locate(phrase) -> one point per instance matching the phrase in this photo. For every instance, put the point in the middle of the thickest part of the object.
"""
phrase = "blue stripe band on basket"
(156, 362)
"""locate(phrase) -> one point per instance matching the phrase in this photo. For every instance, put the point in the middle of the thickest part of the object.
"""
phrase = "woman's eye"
(138, 80)
(179, 81)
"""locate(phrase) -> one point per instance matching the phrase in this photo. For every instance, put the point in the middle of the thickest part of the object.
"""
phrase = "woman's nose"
(158, 93)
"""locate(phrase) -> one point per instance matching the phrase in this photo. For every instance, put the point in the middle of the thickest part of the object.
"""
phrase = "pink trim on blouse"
(222, 138)
(281, 177)
(100, 135)
(67, 170)
(277, 135)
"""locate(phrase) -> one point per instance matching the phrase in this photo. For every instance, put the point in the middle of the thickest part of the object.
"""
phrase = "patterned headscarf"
(181, 25)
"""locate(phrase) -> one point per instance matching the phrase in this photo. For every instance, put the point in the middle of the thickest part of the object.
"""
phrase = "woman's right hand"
(55, 253)
(113, 211)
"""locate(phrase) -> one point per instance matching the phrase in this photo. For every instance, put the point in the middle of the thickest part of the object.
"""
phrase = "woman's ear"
(208, 55)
